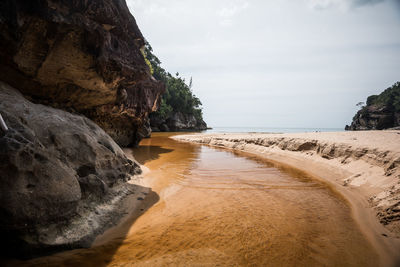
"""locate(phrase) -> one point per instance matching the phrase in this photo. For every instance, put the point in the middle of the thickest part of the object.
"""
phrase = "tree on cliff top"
(178, 96)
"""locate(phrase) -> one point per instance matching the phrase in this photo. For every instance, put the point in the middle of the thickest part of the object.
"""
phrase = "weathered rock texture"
(62, 177)
(374, 118)
(177, 122)
(82, 56)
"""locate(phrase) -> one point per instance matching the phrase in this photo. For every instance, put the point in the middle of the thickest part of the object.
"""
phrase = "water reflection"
(146, 153)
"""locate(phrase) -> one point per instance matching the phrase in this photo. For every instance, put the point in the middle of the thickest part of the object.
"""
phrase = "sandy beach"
(362, 166)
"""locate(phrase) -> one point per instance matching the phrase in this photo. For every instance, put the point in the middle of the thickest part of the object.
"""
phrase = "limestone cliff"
(80, 56)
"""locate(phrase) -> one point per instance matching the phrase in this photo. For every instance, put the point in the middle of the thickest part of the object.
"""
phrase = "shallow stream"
(223, 208)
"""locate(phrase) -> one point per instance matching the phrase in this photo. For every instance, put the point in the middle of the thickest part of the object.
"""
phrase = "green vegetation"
(178, 96)
(147, 60)
(389, 98)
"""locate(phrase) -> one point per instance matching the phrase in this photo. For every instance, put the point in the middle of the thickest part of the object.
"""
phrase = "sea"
(270, 130)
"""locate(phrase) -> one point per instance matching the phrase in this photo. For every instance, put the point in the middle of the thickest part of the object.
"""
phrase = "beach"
(361, 166)
(216, 206)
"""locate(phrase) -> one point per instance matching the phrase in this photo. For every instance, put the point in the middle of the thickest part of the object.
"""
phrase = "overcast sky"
(276, 63)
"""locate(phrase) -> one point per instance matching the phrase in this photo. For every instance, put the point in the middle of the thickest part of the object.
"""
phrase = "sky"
(276, 63)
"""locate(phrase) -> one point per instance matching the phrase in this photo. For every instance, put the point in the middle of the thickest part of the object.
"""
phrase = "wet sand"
(362, 166)
(224, 208)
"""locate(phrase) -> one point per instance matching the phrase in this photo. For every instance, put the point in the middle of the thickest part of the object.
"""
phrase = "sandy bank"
(362, 166)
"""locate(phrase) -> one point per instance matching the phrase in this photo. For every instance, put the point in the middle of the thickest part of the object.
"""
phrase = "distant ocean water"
(270, 130)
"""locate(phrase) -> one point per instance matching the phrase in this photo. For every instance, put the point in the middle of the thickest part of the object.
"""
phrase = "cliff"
(176, 121)
(80, 56)
(380, 112)
(68, 67)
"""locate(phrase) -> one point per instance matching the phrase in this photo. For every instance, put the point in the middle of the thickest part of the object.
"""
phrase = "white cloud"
(227, 13)
(340, 4)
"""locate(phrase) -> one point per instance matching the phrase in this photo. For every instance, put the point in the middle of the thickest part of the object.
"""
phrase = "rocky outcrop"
(177, 122)
(81, 56)
(374, 118)
(62, 178)
(380, 112)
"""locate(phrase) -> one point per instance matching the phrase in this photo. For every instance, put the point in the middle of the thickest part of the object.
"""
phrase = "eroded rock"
(57, 170)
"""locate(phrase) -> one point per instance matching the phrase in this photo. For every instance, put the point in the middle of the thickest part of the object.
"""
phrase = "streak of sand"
(362, 166)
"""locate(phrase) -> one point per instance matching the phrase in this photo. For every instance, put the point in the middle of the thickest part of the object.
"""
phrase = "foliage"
(164, 110)
(390, 98)
(143, 51)
(371, 99)
(178, 96)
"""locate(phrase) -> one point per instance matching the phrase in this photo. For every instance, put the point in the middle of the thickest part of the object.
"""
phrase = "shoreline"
(135, 206)
(363, 167)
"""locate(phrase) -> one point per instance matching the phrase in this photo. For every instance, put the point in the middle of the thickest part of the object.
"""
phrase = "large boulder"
(82, 56)
(62, 177)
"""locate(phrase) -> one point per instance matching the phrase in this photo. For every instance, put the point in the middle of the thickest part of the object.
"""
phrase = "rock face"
(177, 122)
(82, 56)
(374, 118)
(62, 177)
(380, 112)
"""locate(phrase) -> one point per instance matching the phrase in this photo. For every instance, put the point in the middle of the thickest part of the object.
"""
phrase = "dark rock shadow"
(146, 153)
(97, 255)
